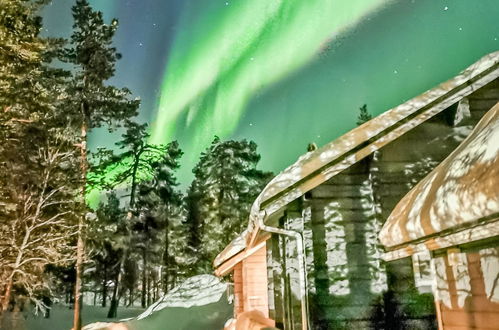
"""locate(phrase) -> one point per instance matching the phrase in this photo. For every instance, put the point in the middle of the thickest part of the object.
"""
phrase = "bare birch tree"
(41, 230)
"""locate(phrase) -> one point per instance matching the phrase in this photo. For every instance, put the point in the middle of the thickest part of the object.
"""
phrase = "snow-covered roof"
(316, 167)
(237, 245)
(459, 192)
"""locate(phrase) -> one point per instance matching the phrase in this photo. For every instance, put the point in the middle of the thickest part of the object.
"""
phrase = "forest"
(146, 233)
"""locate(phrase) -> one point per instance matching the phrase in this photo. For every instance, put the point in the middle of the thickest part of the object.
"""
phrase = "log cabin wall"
(467, 288)
(483, 100)
(397, 167)
(238, 289)
(400, 165)
(348, 276)
(254, 282)
(284, 285)
(349, 287)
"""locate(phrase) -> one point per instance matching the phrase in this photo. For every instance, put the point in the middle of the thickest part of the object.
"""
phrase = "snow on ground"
(200, 302)
(195, 291)
(61, 317)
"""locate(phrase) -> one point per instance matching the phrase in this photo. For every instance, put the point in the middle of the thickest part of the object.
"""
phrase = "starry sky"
(281, 72)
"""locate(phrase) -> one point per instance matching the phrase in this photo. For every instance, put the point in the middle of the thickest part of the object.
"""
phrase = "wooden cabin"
(310, 257)
(449, 224)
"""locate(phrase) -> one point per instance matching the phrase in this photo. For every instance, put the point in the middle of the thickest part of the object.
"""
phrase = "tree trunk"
(174, 279)
(154, 290)
(8, 290)
(133, 187)
(158, 285)
(166, 255)
(104, 289)
(149, 289)
(80, 244)
(144, 278)
(115, 300)
(113, 309)
(130, 297)
(19, 258)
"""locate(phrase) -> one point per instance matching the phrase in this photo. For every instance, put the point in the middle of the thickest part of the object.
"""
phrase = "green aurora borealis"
(229, 53)
(284, 73)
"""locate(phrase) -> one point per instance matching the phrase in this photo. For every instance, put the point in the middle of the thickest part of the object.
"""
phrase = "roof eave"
(478, 231)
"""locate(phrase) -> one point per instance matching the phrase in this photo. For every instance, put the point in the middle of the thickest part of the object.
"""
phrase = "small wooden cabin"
(449, 224)
(311, 258)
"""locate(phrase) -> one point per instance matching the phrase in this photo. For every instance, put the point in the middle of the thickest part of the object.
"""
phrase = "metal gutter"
(301, 262)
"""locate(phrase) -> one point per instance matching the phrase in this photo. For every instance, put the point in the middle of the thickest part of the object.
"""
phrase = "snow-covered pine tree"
(171, 208)
(134, 164)
(160, 224)
(106, 239)
(225, 185)
(91, 102)
(146, 234)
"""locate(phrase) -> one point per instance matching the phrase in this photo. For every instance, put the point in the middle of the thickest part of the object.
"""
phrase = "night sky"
(281, 72)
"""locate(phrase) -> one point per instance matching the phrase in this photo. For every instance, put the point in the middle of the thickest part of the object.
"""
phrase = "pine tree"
(146, 233)
(172, 210)
(225, 185)
(160, 210)
(364, 115)
(92, 103)
(107, 238)
(130, 278)
(192, 201)
(132, 166)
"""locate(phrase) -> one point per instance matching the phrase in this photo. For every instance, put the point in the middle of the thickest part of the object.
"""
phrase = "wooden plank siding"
(339, 219)
(238, 289)
(254, 288)
(478, 311)
(342, 212)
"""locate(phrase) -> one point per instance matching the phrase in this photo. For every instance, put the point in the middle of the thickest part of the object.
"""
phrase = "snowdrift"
(200, 302)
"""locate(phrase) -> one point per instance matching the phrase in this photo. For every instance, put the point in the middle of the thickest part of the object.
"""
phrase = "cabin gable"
(340, 220)
(339, 197)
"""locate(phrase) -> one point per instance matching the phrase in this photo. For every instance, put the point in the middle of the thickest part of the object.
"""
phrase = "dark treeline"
(146, 234)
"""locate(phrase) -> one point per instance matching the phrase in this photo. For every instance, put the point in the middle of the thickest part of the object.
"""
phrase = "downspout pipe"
(301, 262)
